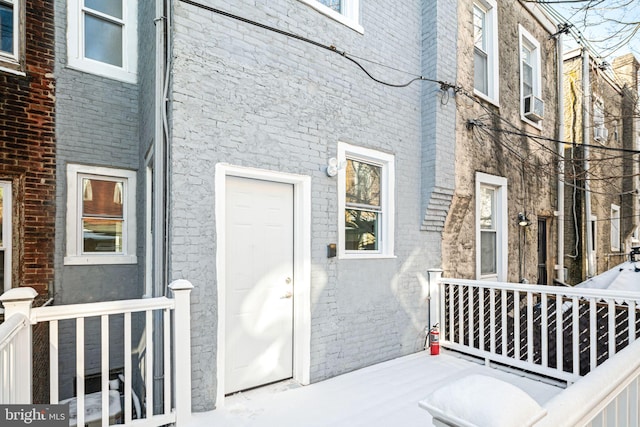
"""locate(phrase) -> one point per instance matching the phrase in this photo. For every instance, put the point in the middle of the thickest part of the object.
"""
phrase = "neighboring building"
(27, 145)
(505, 166)
(27, 160)
(611, 172)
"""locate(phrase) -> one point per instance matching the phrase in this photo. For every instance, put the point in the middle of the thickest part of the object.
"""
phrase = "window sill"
(537, 125)
(334, 15)
(9, 66)
(100, 259)
(486, 98)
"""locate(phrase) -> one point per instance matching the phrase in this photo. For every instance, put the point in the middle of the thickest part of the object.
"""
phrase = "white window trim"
(387, 183)
(615, 216)
(493, 82)
(75, 43)
(7, 237)
(12, 62)
(502, 241)
(525, 36)
(73, 253)
(349, 17)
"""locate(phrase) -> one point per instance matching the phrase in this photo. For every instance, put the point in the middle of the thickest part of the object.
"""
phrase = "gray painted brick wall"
(245, 96)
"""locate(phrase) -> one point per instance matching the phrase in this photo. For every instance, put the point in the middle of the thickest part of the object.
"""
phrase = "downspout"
(158, 153)
(586, 139)
(560, 257)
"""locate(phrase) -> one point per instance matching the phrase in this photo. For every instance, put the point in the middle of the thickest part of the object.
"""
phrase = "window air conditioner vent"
(600, 133)
(533, 108)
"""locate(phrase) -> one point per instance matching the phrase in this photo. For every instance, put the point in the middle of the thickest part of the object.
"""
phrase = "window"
(5, 234)
(485, 56)
(491, 234)
(366, 182)
(530, 72)
(615, 228)
(101, 223)
(12, 15)
(346, 12)
(102, 37)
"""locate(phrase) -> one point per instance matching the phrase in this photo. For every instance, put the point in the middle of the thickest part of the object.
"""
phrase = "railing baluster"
(481, 318)
(516, 325)
(575, 334)
(104, 350)
(544, 330)
(167, 361)
(149, 362)
(611, 328)
(593, 334)
(53, 362)
(559, 334)
(470, 290)
(503, 318)
(530, 327)
(127, 368)
(80, 370)
(492, 320)
(631, 305)
(461, 315)
(451, 309)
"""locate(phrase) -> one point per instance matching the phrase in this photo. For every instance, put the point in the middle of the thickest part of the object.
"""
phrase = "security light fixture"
(522, 219)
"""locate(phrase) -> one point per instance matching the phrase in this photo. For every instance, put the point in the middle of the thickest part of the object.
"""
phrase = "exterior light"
(522, 220)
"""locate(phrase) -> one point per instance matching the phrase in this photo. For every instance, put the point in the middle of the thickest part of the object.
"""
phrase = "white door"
(259, 283)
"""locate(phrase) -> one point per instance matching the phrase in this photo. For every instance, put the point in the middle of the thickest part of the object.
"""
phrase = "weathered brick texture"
(27, 150)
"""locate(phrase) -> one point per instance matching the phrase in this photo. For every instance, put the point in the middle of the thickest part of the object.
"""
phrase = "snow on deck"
(386, 394)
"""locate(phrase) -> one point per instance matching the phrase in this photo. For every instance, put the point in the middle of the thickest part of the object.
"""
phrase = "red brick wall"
(27, 150)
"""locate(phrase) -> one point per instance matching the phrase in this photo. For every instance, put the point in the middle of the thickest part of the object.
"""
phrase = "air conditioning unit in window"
(533, 108)
(600, 133)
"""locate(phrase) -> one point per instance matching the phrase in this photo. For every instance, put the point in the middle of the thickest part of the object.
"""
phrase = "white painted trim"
(387, 163)
(502, 214)
(7, 235)
(74, 245)
(302, 267)
(490, 8)
(615, 208)
(148, 229)
(526, 36)
(75, 44)
(349, 17)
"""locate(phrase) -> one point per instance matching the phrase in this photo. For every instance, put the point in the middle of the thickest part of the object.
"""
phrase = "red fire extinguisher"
(434, 340)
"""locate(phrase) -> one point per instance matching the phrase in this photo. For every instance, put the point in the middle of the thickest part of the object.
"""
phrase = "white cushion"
(482, 401)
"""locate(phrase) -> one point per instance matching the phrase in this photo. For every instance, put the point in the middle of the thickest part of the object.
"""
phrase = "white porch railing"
(16, 361)
(559, 332)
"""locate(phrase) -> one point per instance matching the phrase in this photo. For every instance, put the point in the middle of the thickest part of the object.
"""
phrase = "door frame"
(301, 265)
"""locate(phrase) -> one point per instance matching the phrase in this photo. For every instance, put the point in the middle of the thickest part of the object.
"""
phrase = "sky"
(611, 27)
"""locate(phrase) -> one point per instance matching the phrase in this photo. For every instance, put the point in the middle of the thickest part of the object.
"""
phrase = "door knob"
(287, 280)
(287, 295)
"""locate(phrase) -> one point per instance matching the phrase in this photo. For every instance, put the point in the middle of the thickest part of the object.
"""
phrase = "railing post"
(435, 274)
(182, 349)
(18, 301)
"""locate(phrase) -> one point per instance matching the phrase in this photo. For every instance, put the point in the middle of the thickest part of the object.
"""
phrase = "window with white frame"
(101, 221)
(12, 15)
(485, 57)
(366, 180)
(102, 37)
(615, 228)
(346, 12)
(491, 227)
(5, 234)
(530, 71)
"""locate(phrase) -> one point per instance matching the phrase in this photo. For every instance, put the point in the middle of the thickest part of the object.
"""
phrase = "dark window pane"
(362, 183)
(102, 198)
(108, 7)
(361, 230)
(6, 28)
(1, 214)
(2, 271)
(103, 40)
(102, 235)
(480, 74)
